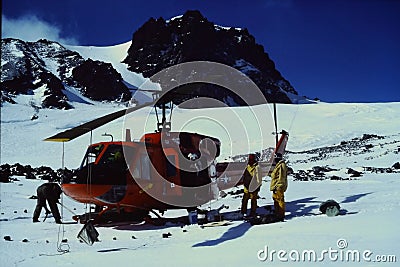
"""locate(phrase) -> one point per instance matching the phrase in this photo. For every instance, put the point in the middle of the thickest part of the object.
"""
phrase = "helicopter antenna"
(110, 135)
(89, 177)
(276, 126)
(172, 108)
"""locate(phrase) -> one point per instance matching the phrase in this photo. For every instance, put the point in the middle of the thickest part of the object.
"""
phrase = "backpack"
(246, 178)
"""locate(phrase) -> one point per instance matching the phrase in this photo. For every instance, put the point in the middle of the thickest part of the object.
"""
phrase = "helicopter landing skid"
(111, 215)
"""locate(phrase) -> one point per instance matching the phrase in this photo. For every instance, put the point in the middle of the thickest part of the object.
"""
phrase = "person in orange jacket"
(252, 183)
(278, 187)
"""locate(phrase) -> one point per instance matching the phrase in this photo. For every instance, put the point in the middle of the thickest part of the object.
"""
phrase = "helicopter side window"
(129, 153)
(142, 167)
(145, 166)
(136, 169)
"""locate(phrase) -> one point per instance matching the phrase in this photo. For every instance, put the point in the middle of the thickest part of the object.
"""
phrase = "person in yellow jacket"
(278, 187)
(252, 183)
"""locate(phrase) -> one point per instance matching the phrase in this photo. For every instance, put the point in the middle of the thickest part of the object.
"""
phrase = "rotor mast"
(164, 125)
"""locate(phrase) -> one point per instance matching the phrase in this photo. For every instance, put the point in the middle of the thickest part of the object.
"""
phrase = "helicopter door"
(172, 183)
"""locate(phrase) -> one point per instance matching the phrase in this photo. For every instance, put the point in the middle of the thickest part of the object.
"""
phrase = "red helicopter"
(163, 170)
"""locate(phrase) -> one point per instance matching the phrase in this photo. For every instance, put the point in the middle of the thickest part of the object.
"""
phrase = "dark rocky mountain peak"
(55, 76)
(160, 44)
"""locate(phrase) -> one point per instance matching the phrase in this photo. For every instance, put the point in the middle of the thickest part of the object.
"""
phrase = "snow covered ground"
(367, 227)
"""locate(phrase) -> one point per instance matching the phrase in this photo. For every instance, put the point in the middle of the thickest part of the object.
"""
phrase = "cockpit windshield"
(92, 154)
(114, 154)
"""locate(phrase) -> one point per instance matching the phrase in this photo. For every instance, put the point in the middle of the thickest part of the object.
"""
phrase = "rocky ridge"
(160, 44)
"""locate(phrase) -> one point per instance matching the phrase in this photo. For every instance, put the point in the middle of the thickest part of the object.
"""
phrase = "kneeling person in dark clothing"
(50, 192)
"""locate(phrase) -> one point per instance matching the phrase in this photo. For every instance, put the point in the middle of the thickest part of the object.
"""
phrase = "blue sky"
(338, 50)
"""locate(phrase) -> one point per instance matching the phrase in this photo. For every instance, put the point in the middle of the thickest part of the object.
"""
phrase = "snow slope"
(369, 215)
(309, 126)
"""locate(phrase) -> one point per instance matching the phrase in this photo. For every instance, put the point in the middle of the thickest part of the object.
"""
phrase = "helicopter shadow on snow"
(232, 233)
(302, 207)
(297, 208)
(155, 224)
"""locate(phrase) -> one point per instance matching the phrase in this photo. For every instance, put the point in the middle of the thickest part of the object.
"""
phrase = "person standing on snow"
(50, 192)
(252, 183)
(278, 186)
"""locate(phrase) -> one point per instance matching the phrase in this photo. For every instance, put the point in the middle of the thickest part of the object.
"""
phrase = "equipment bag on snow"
(330, 208)
(88, 233)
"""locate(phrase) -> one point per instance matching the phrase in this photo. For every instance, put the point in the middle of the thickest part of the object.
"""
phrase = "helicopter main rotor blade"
(77, 131)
